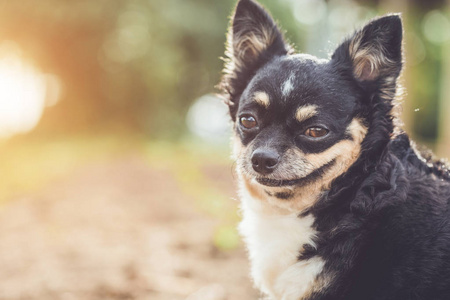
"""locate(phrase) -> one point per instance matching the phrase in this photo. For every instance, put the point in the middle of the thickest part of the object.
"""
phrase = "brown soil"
(118, 230)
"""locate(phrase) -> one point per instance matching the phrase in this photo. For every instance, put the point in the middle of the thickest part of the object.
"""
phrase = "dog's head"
(299, 121)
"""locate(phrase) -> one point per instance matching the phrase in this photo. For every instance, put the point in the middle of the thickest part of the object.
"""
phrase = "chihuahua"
(337, 203)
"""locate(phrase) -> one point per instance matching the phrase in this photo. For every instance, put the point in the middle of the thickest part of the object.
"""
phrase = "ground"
(127, 227)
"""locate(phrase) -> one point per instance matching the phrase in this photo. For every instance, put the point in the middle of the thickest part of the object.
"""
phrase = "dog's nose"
(264, 161)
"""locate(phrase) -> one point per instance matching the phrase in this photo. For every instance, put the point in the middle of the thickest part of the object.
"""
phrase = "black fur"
(384, 225)
(387, 235)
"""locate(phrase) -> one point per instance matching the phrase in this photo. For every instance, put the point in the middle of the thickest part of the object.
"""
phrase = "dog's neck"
(274, 237)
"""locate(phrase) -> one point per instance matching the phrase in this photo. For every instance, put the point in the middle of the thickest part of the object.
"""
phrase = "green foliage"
(139, 64)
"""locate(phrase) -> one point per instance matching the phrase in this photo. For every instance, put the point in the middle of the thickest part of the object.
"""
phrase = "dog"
(336, 201)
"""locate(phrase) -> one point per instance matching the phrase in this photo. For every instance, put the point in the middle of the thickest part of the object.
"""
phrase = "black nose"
(264, 161)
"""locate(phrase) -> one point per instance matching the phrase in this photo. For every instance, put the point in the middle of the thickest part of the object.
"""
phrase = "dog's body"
(336, 201)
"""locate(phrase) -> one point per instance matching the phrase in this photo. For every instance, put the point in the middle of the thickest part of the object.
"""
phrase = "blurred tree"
(139, 64)
(130, 64)
(444, 111)
(63, 38)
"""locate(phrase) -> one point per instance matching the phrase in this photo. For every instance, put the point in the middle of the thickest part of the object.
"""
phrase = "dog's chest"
(274, 244)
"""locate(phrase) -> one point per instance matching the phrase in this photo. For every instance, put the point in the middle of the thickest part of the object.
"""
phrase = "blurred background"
(115, 176)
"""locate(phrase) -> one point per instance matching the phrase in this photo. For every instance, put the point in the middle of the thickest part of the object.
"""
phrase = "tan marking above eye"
(262, 99)
(305, 112)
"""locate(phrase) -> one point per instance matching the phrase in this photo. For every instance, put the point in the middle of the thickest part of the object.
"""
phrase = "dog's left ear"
(253, 40)
(374, 53)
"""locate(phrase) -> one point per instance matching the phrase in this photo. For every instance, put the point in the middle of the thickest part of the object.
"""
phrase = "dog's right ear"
(253, 40)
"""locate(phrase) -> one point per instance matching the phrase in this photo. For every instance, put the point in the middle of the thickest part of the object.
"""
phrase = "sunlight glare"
(23, 93)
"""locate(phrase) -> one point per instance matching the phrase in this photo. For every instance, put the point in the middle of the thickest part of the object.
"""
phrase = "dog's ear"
(374, 53)
(253, 40)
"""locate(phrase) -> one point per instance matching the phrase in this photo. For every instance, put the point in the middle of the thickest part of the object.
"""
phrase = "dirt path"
(117, 230)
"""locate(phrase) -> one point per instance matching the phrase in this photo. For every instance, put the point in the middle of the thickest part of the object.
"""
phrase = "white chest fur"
(274, 243)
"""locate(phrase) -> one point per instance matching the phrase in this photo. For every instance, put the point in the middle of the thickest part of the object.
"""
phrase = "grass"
(29, 164)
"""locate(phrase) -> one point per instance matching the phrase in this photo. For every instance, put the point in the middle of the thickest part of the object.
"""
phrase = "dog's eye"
(316, 132)
(248, 121)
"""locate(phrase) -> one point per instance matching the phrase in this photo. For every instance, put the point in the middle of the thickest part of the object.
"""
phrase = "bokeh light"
(436, 27)
(208, 119)
(23, 92)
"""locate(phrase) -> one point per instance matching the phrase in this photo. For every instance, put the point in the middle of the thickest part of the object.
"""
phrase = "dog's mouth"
(275, 182)
(314, 175)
